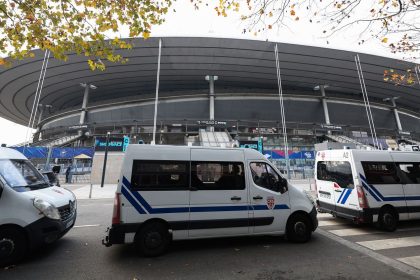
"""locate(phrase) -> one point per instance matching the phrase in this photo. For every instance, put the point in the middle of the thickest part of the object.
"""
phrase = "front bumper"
(314, 219)
(46, 230)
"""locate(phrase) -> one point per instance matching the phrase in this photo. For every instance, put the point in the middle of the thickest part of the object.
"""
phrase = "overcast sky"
(205, 23)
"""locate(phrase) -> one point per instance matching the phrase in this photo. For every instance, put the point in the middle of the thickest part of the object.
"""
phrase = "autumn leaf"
(384, 40)
(292, 12)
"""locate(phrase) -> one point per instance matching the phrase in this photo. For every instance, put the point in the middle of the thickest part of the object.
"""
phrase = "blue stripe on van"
(132, 200)
(346, 196)
(126, 187)
(389, 198)
(341, 195)
(373, 191)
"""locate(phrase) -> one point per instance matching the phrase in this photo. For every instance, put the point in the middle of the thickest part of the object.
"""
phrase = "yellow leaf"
(292, 12)
(146, 35)
(2, 62)
(385, 40)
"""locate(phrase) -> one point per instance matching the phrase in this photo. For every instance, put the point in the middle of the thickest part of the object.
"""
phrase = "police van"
(369, 186)
(176, 192)
(32, 212)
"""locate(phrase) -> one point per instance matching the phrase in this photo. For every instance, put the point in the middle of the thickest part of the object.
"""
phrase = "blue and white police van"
(32, 212)
(369, 186)
(176, 192)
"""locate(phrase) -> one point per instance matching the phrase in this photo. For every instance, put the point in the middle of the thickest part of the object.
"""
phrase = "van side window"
(217, 175)
(264, 176)
(338, 172)
(160, 175)
(410, 172)
(384, 173)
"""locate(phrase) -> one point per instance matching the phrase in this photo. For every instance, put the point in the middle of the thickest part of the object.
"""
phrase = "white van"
(32, 212)
(176, 192)
(369, 186)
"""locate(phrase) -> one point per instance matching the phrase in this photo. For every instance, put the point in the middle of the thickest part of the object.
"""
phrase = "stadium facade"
(321, 87)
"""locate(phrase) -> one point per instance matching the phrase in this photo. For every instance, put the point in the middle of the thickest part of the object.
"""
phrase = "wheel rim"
(153, 240)
(389, 220)
(7, 246)
(300, 228)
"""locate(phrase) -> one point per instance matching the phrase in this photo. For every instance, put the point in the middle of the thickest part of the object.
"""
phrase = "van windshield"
(21, 175)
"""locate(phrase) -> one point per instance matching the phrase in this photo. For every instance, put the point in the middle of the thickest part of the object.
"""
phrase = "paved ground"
(79, 255)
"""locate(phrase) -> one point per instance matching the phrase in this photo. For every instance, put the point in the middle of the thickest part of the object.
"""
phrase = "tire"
(299, 228)
(13, 246)
(388, 219)
(153, 239)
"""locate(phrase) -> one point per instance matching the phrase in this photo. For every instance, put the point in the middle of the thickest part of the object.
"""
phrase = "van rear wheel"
(299, 228)
(12, 246)
(388, 220)
(153, 239)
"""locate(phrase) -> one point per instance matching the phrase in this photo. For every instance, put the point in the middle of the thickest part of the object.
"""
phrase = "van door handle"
(235, 198)
(257, 197)
(338, 190)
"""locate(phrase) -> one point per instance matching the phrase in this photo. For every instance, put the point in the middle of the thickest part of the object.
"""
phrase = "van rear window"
(384, 173)
(160, 175)
(335, 171)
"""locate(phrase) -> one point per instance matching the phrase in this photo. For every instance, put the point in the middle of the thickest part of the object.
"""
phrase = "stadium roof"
(242, 66)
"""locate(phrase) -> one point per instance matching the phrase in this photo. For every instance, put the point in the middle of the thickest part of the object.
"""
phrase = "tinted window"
(264, 176)
(335, 171)
(381, 172)
(159, 175)
(217, 175)
(410, 172)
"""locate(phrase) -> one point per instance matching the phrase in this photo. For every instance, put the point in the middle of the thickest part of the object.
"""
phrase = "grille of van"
(67, 211)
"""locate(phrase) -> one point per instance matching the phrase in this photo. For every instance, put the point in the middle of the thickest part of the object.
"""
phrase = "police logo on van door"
(270, 202)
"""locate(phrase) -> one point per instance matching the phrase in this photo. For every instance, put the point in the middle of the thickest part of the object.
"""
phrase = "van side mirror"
(281, 185)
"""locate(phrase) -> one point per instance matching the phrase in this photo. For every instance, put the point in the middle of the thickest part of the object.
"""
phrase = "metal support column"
(211, 80)
(324, 104)
(394, 109)
(84, 104)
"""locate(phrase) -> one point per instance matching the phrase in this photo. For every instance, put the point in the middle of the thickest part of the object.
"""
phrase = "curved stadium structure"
(322, 95)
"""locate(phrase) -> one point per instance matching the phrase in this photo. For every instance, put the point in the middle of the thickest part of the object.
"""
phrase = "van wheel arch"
(16, 233)
(388, 218)
(153, 238)
(299, 219)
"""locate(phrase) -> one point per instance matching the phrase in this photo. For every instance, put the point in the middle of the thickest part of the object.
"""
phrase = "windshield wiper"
(38, 186)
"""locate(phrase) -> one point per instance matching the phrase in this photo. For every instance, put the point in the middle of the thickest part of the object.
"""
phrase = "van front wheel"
(12, 246)
(153, 239)
(298, 228)
(388, 220)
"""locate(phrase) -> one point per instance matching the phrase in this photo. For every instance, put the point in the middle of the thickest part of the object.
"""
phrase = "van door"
(335, 185)
(409, 167)
(382, 181)
(271, 204)
(218, 195)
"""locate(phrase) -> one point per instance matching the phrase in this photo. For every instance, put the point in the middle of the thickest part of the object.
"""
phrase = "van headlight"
(47, 209)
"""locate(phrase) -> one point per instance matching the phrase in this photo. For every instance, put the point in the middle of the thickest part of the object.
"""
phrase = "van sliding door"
(218, 194)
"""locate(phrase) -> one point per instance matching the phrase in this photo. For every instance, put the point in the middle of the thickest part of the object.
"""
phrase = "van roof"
(366, 151)
(139, 147)
(7, 153)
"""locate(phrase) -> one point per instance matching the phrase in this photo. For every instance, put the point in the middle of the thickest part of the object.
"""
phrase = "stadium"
(215, 92)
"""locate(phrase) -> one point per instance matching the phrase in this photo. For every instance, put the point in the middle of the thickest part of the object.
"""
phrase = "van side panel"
(139, 205)
(388, 191)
